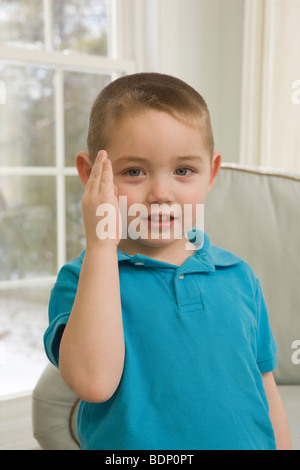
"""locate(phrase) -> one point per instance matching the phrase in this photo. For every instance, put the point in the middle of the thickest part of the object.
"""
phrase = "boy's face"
(158, 160)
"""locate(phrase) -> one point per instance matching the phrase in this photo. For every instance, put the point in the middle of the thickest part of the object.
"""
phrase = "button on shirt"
(197, 340)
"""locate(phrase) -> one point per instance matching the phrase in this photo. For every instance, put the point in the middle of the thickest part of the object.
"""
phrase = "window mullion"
(48, 24)
(60, 164)
(112, 41)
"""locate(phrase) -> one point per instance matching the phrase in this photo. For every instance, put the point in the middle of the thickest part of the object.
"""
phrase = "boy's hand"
(92, 348)
(100, 193)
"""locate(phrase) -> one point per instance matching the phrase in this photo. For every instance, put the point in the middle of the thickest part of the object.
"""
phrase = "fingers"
(99, 191)
(107, 180)
(101, 173)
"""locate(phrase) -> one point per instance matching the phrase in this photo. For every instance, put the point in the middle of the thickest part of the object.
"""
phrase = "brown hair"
(133, 94)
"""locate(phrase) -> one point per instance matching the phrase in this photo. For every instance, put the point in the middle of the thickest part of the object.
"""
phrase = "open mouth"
(161, 221)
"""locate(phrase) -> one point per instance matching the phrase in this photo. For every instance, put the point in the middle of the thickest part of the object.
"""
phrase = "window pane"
(80, 91)
(81, 25)
(24, 319)
(21, 23)
(27, 132)
(75, 230)
(27, 226)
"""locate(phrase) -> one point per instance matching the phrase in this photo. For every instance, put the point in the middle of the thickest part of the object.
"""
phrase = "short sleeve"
(60, 305)
(266, 345)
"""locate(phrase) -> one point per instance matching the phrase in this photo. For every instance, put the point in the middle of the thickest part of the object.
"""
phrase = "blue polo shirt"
(197, 340)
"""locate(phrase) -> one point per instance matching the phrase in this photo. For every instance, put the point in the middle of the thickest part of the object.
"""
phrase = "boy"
(166, 347)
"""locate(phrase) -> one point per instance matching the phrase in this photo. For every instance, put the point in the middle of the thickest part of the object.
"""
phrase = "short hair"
(133, 94)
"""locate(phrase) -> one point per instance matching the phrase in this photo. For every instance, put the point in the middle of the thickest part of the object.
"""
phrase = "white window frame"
(122, 23)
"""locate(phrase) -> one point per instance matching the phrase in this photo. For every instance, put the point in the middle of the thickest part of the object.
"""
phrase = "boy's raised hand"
(100, 198)
(92, 348)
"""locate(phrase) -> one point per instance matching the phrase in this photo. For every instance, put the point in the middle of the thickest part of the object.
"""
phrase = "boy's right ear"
(84, 167)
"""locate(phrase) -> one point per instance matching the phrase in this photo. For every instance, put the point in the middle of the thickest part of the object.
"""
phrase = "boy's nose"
(160, 191)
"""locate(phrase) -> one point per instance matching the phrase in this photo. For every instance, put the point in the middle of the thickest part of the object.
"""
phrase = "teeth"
(163, 218)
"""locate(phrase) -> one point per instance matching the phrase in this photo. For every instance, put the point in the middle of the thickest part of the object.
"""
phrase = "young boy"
(166, 347)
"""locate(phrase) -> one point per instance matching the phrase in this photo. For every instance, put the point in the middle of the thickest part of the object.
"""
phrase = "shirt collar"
(205, 259)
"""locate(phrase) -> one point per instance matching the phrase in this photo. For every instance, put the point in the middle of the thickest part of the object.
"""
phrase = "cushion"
(54, 412)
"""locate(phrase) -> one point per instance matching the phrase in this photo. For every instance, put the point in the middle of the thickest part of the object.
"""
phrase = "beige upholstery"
(54, 412)
(256, 215)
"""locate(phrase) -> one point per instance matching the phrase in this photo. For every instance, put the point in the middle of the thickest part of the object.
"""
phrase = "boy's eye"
(134, 172)
(183, 171)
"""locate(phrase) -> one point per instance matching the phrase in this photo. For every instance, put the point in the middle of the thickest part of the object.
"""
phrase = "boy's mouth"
(160, 221)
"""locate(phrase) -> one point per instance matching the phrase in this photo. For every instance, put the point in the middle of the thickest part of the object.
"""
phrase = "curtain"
(270, 115)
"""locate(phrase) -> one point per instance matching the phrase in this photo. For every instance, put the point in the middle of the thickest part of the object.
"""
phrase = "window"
(55, 57)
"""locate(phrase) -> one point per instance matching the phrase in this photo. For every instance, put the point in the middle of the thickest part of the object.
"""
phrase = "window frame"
(121, 25)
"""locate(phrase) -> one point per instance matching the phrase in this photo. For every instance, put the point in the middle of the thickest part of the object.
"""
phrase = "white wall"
(213, 64)
(201, 42)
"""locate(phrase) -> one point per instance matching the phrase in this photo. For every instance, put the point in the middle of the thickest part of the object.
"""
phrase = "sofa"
(254, 213)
